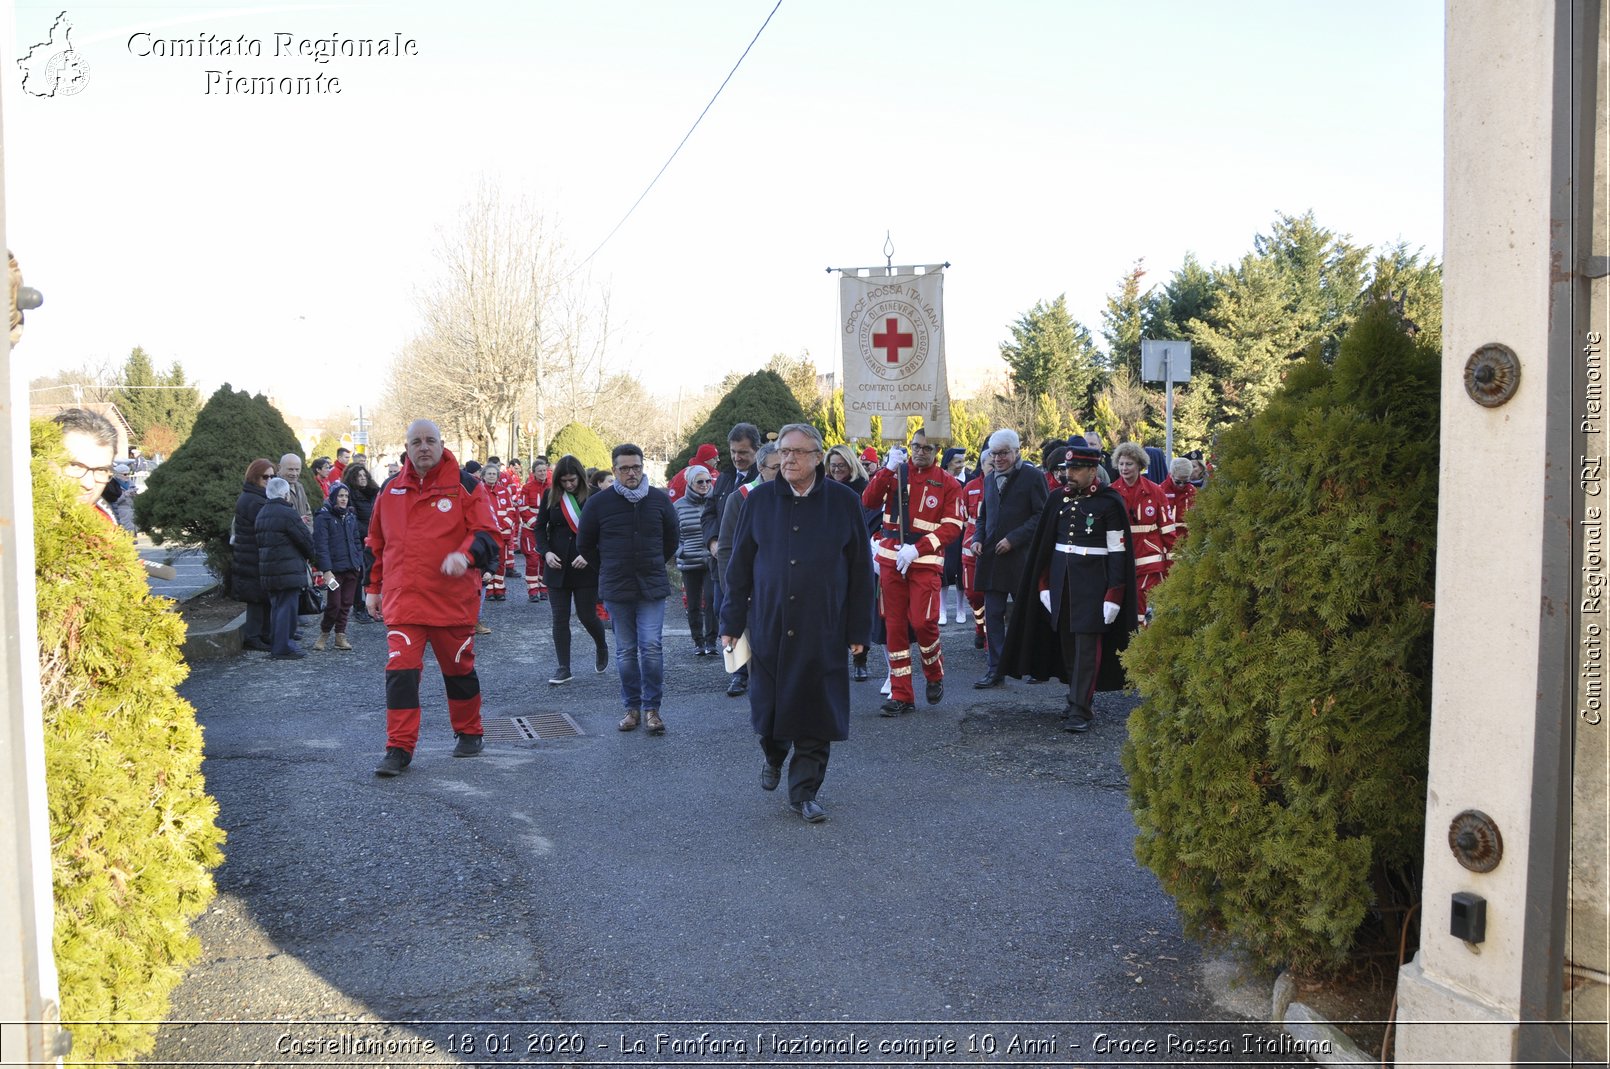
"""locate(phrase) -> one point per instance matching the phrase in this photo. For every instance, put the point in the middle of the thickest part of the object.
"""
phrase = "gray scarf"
(634, 496)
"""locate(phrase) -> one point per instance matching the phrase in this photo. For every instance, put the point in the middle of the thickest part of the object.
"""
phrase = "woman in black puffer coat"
(284, 553)
(244, 583)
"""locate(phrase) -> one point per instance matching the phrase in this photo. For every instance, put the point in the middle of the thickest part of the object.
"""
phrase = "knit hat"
(869, 455)
(471, 467)
(706, 455)
(693, 471)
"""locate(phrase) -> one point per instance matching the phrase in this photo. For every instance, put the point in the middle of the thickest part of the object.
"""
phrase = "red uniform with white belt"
(536, 587)
(972, 498)
(909, 574)
(1180, 498)
(1149, 514)
(506, 502)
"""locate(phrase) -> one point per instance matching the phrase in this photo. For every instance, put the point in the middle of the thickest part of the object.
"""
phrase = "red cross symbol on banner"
(891, 341)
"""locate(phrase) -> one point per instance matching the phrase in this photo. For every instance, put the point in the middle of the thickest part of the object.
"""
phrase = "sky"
(280, 243)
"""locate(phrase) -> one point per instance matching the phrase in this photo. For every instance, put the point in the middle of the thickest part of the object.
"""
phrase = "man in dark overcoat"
(1075, 607)
(800, 580)
(1014, 497)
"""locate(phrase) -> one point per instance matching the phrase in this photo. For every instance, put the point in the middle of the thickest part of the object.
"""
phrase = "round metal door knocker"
(1475, 842)
(1492, 375)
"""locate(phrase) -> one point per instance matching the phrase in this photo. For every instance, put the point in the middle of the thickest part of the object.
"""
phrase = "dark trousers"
(338, 602)
(257, 621)
(586, 610)
(995, 625)
(282, 619)
(1082, 654)
(806, 770)
(696, 584)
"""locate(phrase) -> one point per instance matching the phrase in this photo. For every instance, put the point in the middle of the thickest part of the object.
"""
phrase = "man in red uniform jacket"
(432, 535)
(922, 514)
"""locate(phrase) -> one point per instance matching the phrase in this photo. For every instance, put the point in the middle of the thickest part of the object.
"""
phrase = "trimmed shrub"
(761, 398)
(132, 829)
(581, 442)
(1278, 762)
(191, 497)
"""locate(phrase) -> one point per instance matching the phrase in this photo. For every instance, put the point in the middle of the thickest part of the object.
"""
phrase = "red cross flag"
(893, 328)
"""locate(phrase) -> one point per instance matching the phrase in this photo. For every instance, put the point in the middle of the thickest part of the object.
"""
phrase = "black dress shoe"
(860, 674)
(934, 691)
(978, 640)
(895, 707)
(737, 685)
(813, 813)
(987, 680)
(770, 777)
(1077, 724)
(256, 644)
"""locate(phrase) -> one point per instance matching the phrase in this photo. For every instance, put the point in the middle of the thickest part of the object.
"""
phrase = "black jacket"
(555, 536)
(243, 568)
(728, 481)
(337, 546)
(1014, 516)
(284, 547)
(631, 543)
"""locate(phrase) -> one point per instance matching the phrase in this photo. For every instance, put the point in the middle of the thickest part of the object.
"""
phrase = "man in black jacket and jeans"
(743, 442)
(631, 530)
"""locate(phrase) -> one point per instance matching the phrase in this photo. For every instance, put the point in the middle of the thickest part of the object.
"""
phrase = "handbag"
(311, 599)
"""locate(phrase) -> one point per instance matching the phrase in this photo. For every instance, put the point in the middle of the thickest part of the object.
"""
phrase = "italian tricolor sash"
(571, 511)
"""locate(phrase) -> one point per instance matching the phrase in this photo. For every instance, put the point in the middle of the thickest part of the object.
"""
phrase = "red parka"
(417, 521)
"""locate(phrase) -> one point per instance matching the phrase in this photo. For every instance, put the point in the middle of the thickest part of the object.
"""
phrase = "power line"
(684, 140)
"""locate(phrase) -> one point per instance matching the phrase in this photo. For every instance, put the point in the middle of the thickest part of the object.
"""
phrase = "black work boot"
(394, 762)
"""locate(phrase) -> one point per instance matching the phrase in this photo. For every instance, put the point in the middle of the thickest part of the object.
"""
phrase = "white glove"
(897, 457)
(1109, 611)
(903, 558)
(874, 556)
(1045, 599)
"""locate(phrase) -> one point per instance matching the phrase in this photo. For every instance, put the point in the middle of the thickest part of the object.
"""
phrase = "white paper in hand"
(738, 656)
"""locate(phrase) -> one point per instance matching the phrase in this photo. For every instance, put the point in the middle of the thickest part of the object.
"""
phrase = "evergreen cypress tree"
(133, 832)
(137, 397)
(1277, 764)
(191, 497)
(761, 398)
(582, 442)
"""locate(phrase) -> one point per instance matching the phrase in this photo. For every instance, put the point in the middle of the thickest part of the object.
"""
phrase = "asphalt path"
(613, 898)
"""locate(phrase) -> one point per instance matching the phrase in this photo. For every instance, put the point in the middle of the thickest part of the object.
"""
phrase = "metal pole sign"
(1167, 362)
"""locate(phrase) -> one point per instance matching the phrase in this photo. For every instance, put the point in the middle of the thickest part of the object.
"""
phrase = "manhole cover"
(529, 729)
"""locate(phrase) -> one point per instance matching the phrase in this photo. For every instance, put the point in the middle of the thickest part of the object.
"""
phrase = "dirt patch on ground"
(209, 612)
(1357, 1003)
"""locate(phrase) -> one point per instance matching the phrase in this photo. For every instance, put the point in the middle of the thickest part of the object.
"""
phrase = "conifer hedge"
(581, 442)
(191, 497)
(132, 829)
(761, 398)
(1278, 761)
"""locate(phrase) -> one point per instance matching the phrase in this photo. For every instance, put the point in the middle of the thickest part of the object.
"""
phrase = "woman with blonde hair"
(1150, 522)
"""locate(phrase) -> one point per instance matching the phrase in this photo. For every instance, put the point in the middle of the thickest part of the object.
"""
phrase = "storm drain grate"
(529, 729)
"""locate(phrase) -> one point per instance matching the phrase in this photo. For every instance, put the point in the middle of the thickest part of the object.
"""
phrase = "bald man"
(432, 535)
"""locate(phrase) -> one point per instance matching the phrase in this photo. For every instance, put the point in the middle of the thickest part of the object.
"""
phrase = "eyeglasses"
(917, 447)
(627, 469)
(797, 454)
(75, 470)
(701, 482)
(1003, 452)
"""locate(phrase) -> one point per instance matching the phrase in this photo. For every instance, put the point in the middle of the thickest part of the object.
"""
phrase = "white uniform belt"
(1083, 551)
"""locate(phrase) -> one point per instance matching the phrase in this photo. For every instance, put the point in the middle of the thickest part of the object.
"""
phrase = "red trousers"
(975, 598)
(533, 562)
(911, 608)
(405, 659)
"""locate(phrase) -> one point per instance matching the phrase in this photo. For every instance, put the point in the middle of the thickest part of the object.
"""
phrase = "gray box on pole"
(1175, 354)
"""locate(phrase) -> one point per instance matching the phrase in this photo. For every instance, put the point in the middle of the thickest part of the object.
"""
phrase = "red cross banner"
(893, 327)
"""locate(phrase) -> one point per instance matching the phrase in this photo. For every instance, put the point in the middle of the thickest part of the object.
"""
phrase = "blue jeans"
(638, 654)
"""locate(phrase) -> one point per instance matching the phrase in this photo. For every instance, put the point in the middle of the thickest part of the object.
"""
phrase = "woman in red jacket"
(1148, 516)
